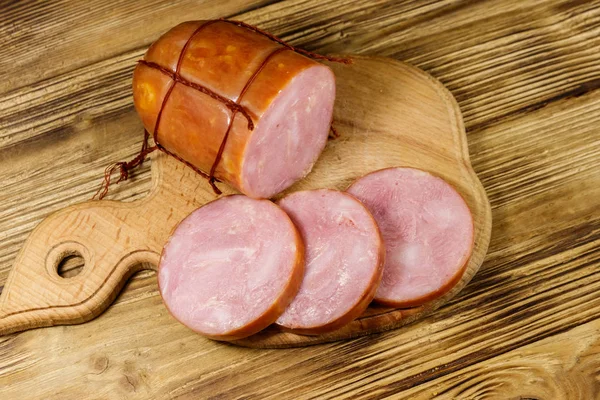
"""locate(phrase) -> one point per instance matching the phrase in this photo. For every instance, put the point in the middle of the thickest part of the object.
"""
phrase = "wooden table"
(525, 74)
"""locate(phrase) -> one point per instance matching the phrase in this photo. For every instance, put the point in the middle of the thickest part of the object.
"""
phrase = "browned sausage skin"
(235, 104)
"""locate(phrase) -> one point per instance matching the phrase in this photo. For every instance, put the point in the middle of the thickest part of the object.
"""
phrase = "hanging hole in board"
(71, 265)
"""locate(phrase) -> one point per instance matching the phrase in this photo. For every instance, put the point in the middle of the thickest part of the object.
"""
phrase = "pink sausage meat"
(231, 267)
(428, 232)
(344, 260)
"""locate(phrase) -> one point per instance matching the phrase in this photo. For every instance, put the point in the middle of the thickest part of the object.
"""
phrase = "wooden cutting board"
(388, 114)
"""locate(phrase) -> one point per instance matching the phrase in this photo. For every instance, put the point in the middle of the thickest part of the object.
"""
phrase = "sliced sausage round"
(289, 98)
(428, 232)
(231, 267)
(344, 260)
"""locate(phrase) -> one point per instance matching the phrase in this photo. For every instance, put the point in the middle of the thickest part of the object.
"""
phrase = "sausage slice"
(428, 232)
(231, 267)
(344, 260)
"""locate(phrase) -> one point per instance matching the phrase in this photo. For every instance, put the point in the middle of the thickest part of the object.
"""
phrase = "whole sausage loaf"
(235, 104)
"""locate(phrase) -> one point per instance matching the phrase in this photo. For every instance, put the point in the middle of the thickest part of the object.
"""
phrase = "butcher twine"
(235, 107)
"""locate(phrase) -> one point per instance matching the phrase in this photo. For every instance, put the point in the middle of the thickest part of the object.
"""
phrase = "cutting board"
(388, 113)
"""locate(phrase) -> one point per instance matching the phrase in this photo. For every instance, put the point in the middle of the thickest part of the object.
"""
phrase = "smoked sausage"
(235, 105)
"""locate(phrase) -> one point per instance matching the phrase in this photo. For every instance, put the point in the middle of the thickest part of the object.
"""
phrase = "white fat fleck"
(219, 256)
(344, 216)
(344, 277)
(408, 255)
(317, 252)
(347, 203)
(237, 226)
(221, 316)
(211, 303)
(311, 103)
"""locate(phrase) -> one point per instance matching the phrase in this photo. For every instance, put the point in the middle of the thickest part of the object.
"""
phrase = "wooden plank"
(558, 367)
(39, 41)
(540, 279)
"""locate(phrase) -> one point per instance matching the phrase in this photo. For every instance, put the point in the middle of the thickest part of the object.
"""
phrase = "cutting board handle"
(105, 234)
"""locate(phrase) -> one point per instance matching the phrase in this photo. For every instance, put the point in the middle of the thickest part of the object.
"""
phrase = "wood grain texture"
(525, 74)
(382, 127)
